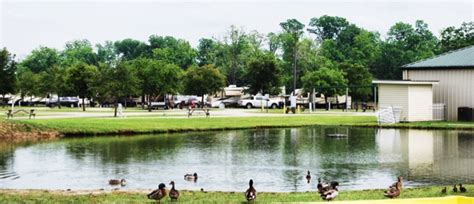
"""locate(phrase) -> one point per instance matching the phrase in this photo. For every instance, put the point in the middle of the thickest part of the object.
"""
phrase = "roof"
(404, 82)
(461, 58)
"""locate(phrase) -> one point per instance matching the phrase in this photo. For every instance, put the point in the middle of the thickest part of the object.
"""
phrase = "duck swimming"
(158, 194)
(191, 177)
(251, 193)
(174, 194)
(114, 182)
(308, 177)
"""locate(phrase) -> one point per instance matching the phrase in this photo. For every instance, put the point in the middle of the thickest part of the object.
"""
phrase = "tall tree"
(453, 38)
(28, 83)
(263, 75)
(81, 78)
(172, 51)
(236, 45)
(203, 80)
(327, 27)
(207, 51)
(292, 32)
(78, 51)
(129, 49)
(326, 80)
(107, 53)
(41, 59)
(7, 73)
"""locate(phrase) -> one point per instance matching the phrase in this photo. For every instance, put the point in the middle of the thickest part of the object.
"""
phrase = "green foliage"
(130, 49)
(41, 59)
(453, 38)
(328, 81)
(357, 75)
(80, 77)
(107, 53)
(327, 27)
(7, 72)
(203, 80)
(172, 50)
(207, 51)
(78, 51)
(28, 83)
(292, 32)
(263, 75)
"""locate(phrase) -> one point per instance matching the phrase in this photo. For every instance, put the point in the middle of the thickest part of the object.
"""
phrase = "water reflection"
(277, 159)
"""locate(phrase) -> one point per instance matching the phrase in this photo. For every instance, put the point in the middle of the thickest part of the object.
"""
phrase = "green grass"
(12, 196)
(93, 126)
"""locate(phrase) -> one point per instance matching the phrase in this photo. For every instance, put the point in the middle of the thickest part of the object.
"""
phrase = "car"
(227, 102)
(259, 101)
(64, 101)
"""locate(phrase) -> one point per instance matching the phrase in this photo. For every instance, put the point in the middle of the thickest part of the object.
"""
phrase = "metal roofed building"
(454, 72)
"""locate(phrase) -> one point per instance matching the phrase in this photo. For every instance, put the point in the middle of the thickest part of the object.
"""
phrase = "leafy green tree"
(274, 42)
(172, 51)
(203, 80)
(41, 59)
(207, 51)
(80, 77)
(7, 73)
(327, 27)
(453, 38)
(326, 80)
(292, 32)
(107, 53)
(359, 77)
(116, 82)
(236, 45)
(129, 49)
(28, 83)
(263, 75)
(78, 51)
(157, 78)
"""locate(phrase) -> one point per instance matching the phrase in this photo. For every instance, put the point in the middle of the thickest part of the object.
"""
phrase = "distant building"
(454, 72)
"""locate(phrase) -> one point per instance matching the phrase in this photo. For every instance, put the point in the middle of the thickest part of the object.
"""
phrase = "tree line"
(327, 52)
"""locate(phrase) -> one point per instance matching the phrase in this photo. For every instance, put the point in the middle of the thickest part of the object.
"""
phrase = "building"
(413, 98)
(455, 73)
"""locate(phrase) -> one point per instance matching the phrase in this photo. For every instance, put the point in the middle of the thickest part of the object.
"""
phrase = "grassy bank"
(97, 126)
(11, 132)
(8, 196)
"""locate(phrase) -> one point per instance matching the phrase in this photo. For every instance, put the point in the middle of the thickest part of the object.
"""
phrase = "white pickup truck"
(259, 101)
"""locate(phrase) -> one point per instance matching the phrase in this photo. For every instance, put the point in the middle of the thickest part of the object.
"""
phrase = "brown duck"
(332, 192)
(395, 189)
(158, 194)
(251, 193)
(308, 177)
(462, 189)
(191, 177)
(114, 182)
(174, 194)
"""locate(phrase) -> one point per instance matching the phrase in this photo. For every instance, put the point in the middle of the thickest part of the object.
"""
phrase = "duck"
(191, 177)
(322, 187)
(462, 189)
(174, 194)
(308, 177)
(251, 193)
(392, 192)
(455, 189)
(399, 183)
(444, 190)
(332, 192)
(114, 182)
(158, 194)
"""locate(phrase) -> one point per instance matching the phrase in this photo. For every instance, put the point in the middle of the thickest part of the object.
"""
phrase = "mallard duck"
(444, 190)
(331, 193)
(455, 189)
(251, 193)
(399, 183)
(191, 177)
(158, 194)
(462, 189)
(308, 177)
(323, 186)
(392, 192)
(174, 194)
(114, 182)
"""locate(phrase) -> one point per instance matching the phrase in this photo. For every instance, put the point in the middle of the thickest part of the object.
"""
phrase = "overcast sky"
(26, 25)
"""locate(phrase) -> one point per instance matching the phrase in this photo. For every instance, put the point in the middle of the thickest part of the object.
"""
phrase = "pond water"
(277, 159)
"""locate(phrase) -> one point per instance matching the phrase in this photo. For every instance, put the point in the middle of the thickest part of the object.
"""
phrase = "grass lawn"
(9, 196)
(87, 126)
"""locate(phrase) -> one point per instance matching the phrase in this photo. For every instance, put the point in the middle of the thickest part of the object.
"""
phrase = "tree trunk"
(3, 101)
(294, 72)
(326, 100)
(83, 105)
(149, 104)
(143, 101)
(59, 103)
(115, 108)
(125, 102)
(202, 102)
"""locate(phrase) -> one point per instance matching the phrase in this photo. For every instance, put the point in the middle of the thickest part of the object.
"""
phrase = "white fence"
(439, 112)
(389, 114)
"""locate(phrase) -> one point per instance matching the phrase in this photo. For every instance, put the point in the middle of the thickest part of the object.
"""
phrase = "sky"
(28, 24)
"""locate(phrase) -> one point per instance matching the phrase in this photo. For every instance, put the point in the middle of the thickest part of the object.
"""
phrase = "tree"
(78, 51)
(327, 27)
(80, 77)
(236, 45)
(7, 73)
(207, 51)
(130, 49)
(116, 82)
(28, 83)
(292, 32)
(453, 38)
(357, 75)
(107, 53)
(157, 78)
(172, 51)
(203, 80)
(263, 75)
(41, 59)
(326, 80)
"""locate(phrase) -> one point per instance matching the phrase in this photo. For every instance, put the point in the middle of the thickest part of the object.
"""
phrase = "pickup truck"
(258, 101)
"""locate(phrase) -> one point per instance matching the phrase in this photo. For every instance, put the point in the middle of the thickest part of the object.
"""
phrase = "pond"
(277, 159)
